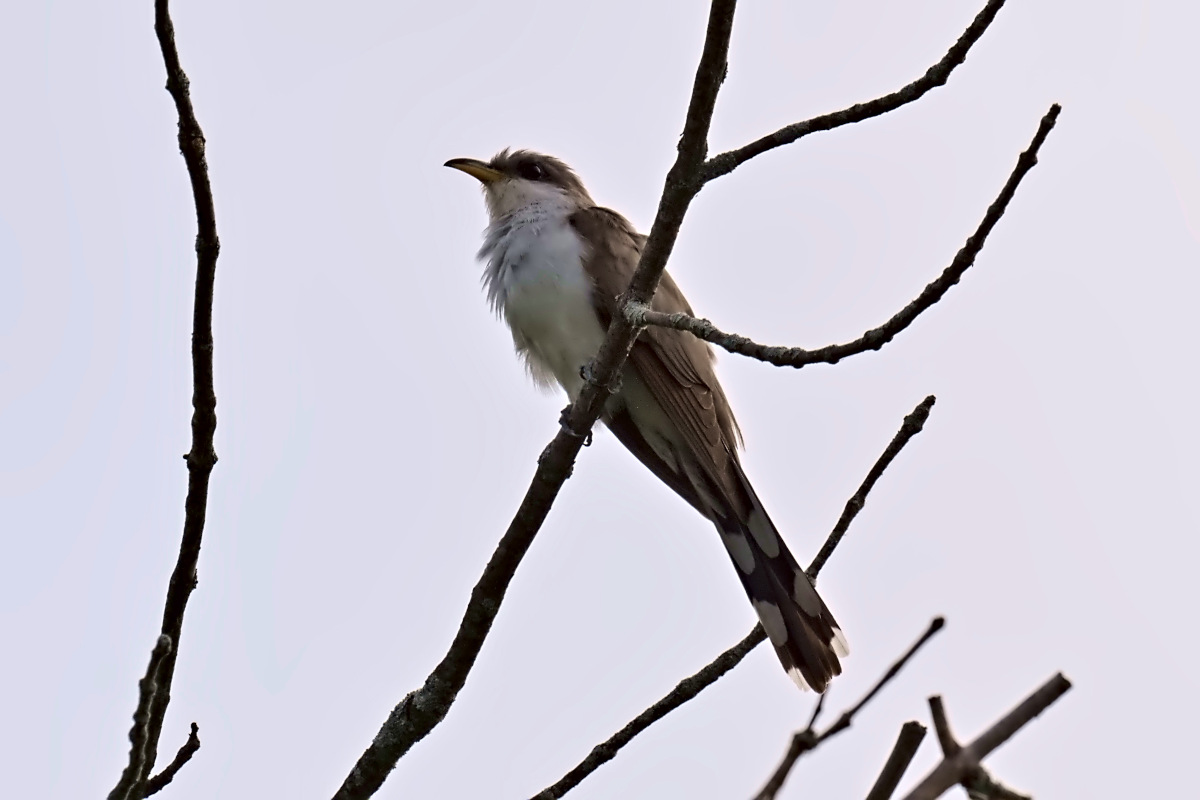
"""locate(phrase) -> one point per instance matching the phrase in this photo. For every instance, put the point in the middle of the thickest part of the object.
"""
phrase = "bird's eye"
(531, 171)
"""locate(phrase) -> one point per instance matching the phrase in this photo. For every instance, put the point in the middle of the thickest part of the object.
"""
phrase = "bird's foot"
(564, 421)
(588, 373)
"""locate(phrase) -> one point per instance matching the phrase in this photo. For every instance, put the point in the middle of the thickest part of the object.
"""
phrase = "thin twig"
(817, 709)
(911, 735)
(417, 714)
(913, 424)
(797, 357)
(963, 765)
(843, 722)
(935, 76)
(183, 756)
(685, 690)
(808, 739)
(201, 458)
(148, 687)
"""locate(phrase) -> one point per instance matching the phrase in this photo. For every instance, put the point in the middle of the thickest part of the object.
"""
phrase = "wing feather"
(675, 366)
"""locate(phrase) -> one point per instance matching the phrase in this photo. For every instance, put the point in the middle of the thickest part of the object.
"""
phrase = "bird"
(555, 264)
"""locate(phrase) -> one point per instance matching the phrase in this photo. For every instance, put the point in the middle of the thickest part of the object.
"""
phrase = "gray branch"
(641, 314)
(963, 765)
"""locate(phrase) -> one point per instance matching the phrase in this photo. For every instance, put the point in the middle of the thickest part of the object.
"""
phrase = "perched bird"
(555, 264)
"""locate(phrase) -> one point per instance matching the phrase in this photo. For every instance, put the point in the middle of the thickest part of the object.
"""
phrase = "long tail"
(800, 626)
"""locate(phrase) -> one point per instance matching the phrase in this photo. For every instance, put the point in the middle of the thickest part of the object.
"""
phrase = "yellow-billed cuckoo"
(555, 266)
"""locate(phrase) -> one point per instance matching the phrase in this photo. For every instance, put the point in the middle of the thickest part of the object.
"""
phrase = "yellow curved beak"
(476, 169)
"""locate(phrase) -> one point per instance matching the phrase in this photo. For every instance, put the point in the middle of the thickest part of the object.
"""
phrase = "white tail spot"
(772, 620)
(798, 679)
(739, 548)
(839, 644)
(763, 532)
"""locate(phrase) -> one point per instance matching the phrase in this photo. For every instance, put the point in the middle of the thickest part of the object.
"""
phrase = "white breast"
(535, 279)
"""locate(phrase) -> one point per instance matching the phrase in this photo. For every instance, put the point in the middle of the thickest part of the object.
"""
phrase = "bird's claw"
(564, 421)
(588, 374)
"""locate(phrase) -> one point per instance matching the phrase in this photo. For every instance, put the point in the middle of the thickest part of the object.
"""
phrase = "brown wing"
(676, 366)
(677, 369)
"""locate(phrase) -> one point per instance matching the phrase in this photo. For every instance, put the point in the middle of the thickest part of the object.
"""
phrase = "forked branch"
(808, 739)
(797, 357)
(202, 456)
(935, 76)
(964, 765)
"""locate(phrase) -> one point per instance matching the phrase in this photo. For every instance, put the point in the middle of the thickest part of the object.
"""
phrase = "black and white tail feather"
(801, 628)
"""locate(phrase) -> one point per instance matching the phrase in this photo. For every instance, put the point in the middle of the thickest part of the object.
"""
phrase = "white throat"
(534, 278)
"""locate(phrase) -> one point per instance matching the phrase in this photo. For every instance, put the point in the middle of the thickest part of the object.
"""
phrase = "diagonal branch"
(421, 710)
(913, 424)
(935, 76)
(641, 314)
(964, 764)
(911, 736)
(202, 456)
(685, 690)
(693, 685)
(135, 772)
(808, 739)
(183, 756)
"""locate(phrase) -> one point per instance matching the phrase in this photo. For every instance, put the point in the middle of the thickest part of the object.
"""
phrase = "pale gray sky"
(376, 432)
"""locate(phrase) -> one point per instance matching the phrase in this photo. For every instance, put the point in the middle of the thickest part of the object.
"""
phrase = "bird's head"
(515, 179)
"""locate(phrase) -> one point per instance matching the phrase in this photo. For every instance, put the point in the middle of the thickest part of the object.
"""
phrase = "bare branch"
(817, 709)
(911, 735)
(189, 749)
(936, 76)
(148, 686)
(690, 687)
(913, 424)
(941, 725)
(808, 739)
(843, 722)
(797, 357)
(417, 714)
(685, 690)
(963, 765)
(202, 456)
(801, 743)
